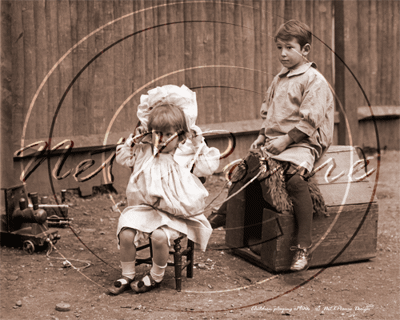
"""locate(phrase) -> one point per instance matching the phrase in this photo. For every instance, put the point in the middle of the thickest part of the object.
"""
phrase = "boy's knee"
(126, 237)
(296, 183)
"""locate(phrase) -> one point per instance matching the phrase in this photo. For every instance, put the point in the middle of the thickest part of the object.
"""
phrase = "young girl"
(165, 200)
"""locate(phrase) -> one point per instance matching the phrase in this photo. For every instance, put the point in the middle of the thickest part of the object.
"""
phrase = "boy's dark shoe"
(217, 219)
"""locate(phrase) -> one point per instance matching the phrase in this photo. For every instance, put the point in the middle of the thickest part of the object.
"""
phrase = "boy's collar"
(300, 70)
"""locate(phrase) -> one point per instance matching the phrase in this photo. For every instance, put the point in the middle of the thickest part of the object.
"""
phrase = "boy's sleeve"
(263, 113)
(296, 135)
(265, 105)
(316, 103)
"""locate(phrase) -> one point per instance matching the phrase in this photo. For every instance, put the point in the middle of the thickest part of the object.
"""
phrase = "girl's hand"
(197, 138)
(139, 130)
(277, 144)
(129, 140)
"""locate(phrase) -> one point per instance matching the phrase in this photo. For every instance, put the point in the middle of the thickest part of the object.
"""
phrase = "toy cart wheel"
(28, 246)
(48, 246)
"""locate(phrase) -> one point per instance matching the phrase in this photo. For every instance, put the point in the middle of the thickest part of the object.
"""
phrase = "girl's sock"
(157, 272)
(129, 269)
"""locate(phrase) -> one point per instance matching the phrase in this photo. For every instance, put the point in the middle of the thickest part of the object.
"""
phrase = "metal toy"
(25, 224)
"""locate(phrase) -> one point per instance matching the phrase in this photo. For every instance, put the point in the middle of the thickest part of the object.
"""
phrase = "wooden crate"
(264, 237)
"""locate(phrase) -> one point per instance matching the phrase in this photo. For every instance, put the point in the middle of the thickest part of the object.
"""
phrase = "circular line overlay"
(192, 21)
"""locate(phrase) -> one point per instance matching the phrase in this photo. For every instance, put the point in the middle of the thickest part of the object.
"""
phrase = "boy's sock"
(157, 273)
(303, 208)
(129, 269)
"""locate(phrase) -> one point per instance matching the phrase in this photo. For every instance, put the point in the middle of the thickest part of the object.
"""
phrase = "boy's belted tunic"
(299, 101)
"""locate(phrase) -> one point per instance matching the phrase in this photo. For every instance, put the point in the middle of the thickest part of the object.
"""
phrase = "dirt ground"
(224, 286)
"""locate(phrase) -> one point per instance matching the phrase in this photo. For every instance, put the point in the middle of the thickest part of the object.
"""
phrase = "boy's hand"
(258, 142)
(278, 144)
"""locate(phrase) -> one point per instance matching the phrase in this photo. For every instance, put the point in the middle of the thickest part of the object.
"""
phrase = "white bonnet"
(181, 97)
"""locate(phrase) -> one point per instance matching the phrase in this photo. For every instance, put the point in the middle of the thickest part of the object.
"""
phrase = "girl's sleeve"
(125, 155)
(207, 160)
(203, 159)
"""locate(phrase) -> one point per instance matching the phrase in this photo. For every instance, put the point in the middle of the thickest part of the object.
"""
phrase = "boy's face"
(291, 55)
(163, 136)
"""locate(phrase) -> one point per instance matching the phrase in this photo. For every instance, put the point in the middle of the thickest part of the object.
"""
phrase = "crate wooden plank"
(351, 226)
(236, 206)
(347, 193)
(330, 236)
(333, 241)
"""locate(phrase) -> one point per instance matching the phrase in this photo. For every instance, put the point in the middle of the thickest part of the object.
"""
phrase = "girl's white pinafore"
(172, 187)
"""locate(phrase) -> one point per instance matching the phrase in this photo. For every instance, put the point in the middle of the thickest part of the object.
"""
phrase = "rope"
(262, 170)
(68, 263)
(219, 193)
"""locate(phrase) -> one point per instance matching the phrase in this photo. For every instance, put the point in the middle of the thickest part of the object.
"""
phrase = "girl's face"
(290, 54)
(163, 136)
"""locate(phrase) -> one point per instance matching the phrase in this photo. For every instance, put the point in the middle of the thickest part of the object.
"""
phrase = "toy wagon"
(25, 225)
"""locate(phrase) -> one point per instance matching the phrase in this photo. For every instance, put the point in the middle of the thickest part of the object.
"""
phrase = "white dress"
(170, 186)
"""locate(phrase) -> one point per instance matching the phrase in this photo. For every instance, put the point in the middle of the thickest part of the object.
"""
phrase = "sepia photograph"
(200, 159)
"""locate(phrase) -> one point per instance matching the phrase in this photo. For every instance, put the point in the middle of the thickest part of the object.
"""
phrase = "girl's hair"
(167, 116)
(294, 29)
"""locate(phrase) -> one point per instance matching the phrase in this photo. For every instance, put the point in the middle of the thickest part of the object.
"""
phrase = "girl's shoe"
(140, 286)
(301, 259)
(119, 286)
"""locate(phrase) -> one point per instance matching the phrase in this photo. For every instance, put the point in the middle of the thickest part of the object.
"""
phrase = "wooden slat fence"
(76, 69)
(76, 62)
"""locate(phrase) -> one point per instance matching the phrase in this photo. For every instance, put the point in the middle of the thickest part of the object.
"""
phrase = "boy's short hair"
(294, 29)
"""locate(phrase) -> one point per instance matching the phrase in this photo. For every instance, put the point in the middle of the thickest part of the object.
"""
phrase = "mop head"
(276, 186)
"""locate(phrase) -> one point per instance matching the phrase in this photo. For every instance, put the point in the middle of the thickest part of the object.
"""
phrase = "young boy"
(298, 113)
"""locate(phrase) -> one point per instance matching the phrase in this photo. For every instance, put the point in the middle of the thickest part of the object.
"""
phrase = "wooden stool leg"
(151, 250)
(178, 264)
(190, 256)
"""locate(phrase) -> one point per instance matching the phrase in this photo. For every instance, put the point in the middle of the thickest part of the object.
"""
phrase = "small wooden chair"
(178, 254)
(178, 263)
